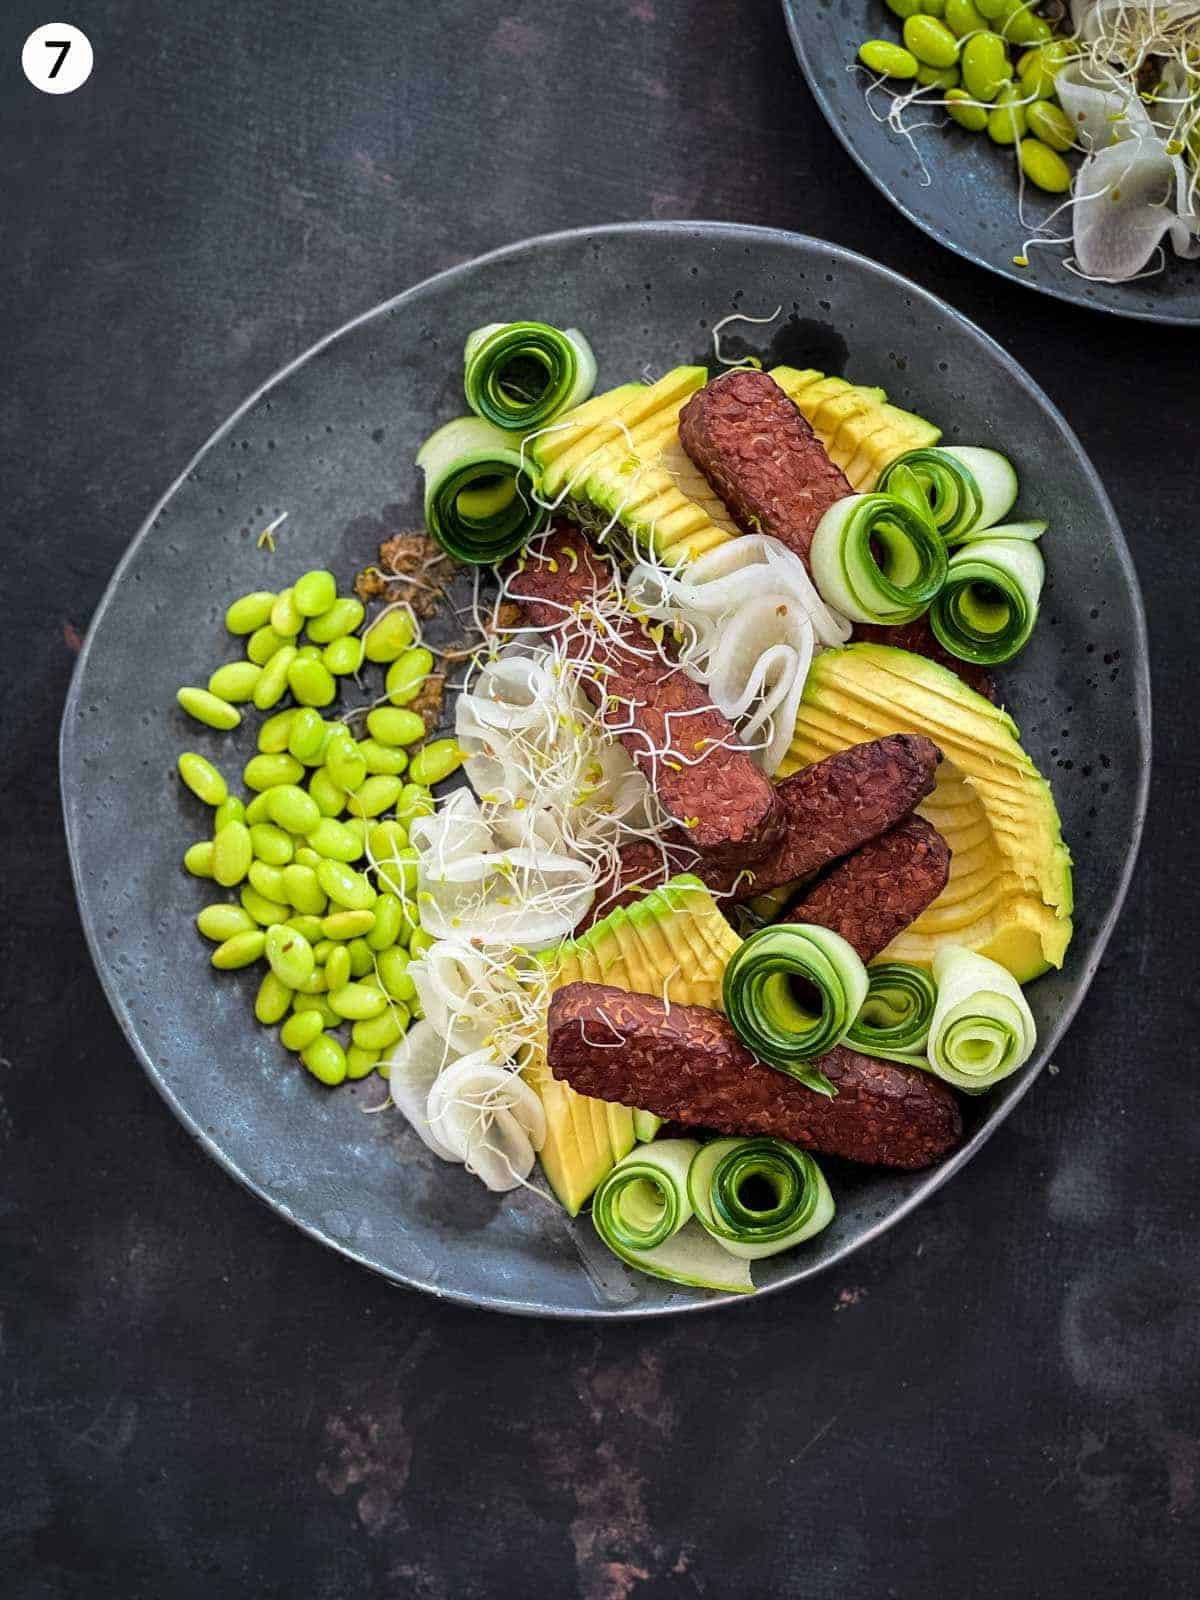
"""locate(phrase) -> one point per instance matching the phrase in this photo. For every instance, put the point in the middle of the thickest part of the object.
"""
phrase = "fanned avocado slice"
(828, 404)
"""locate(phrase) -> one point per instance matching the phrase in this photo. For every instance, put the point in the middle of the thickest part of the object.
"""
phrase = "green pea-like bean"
(420, 942)
(273, 1000)
(991, 9)
(386, 839)
(306, 856)
(408, 672)
(1038, 68)
(262, 645)
(256, 809)
(347, 924)
(349, 889)
(314, 592)
(415, 801)
(235, 681)
(293, 809)
(1044, 166)
(903, 8)
(360, 1063)
(392, 725)
(271, 687)
(394, 975)
(362, 959)
(388, 635)
(1006, 124)
(265, 912)
(305, 731)
(356, 1002)
(934, 8)
(880, 55)
(399, 872)
(1019, 25)
(343, 762)
(939, 77)
(323, 949)
(273, 733)
(984, 66)
(343, 657)
(285, 615)
(307, 925)
(389, 919)
(319, 1004)
(269, 881)
(221, 921)
(337, 969)
(962, 17)
(1050, 124)
(300, 1029)
(311, 682)
(198, 859)
(242, 950)
(209, 709)
(232, 854)
(342, 618)
(383, 1031)
(202, 778)
(326, 1060)
(335, 840)
(269, 772)
(231, 809)
(250, 611)
(374, 796)
(302, 889)
(271, 844)
(358, 827)
(930, 41)
(329, 798)
(290, 957)
(435, 762)
(382, 760)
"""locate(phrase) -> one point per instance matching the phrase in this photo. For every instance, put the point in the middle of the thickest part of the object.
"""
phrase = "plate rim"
(938, 1176)
(1162, 319)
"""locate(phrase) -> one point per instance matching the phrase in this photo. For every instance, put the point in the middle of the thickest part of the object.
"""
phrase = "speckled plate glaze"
(331, 440)
(970, 202)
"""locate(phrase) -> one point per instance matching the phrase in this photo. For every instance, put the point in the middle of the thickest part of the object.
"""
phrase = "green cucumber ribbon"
(642, 1212)
(791, 993)
(893, 1021)
(989, 605)
(480, 501)
(877, 558)
(757, 1197)
(961, 488)
(982, 1029)
(521, 375)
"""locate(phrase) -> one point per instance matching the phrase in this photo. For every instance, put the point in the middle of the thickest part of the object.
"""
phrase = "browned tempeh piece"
(686, 1064)
(761, 456)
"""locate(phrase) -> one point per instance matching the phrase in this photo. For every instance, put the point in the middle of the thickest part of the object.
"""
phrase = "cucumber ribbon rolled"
(982, 1029)
(757, 1197)
(962, 488)
(877, 558)
(791, 993)
(989, 605)
(521, 375)
(893, 1023)
(479, 491)
(642, 1212)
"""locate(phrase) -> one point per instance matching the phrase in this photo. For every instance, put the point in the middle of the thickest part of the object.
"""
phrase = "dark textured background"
(997, 1399)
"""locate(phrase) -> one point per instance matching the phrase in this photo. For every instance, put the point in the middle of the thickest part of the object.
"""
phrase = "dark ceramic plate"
(970, 204)
(331, 440)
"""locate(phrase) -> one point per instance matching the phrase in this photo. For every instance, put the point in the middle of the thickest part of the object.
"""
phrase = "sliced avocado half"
(861, 432)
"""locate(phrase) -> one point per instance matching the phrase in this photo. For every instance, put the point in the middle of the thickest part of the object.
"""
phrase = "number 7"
(62, 46)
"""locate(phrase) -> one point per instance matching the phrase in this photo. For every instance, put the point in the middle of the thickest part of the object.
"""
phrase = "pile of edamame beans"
(318, 848)
(962, 48)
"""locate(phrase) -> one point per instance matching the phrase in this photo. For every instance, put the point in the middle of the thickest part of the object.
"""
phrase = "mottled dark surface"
(998, 1397)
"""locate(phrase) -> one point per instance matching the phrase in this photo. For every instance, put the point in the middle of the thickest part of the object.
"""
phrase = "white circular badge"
(57, 58)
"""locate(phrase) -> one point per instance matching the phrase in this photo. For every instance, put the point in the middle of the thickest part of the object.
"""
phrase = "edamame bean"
(274, 733)
(307, 926)
(265, 912)
(436, 762)
(393, 974)
(383, 1031)
(399, 872)
(308, 652)
(939, 78)
(382, 760)
(306, 730)
(343, 762)
(358, 827)
(342, 618)
(250, 612)
(306, 857)
(1019, 25)
(356, 1002)
(392, 725)
(930, 41)
(347, 924)
(1038, 68)
(270, 772)
(329, 731)
(345, 887)
(388, 636)
(303, 890)
(335, 841)
(420, 942)
(337, 968)
(272, 1001)
(323, 949)
(386, 840)
(903, 8)
(209, 709)
(242, 950)
(362, 959)
(880, 55)
(325, 1059)
(262, 645)
(202, 778)
(329, 799)
(291, 808)
(984, 66)
(1044, 166)
(409, 671)
(231, 809)
(256, 810)
(269, 881)
(1051, 124)
(1006, 124)
(285, 615)
(934, 8)
(375, 796)
(962, 17)
(991, 9)
(271, 844)
(221, 921)
(360, 1063)
(319, 1004)
(343, 656)
(300, 1029)
(198, 859)
(269, 689)
(311, 682)
(314, 592)
(235, 681)
(389, 919)
(232, 854)
(414, 801)
(290, 957)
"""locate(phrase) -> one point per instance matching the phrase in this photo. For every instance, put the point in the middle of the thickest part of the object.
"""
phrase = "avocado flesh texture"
(673, 942)
(878, 432)
(1009, 895)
